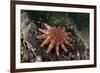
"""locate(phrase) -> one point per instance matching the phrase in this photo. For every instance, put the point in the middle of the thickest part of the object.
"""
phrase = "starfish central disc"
(56, 38)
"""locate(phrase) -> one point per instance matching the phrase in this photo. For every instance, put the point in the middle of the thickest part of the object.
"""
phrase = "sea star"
(55, 37)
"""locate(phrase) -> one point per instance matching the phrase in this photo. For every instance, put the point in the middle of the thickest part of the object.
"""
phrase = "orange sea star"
(55, 37)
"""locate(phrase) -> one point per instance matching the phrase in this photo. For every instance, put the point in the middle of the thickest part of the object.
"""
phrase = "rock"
(31, 51)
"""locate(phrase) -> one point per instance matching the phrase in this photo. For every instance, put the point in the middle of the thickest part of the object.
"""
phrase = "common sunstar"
(56, 38)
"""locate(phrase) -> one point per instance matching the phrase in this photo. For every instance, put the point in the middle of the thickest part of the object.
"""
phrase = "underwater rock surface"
(31, 51)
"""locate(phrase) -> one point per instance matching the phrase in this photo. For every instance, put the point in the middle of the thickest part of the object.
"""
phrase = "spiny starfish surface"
(56, 38)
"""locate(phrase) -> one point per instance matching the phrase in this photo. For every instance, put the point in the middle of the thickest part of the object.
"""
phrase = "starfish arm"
(66, 34)
(42, 36)
(43, 30)
(67, 43)
(69, 39)
(47, 26)
(51, 46)
(63, 47)
(57, 48)
(45, 42)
